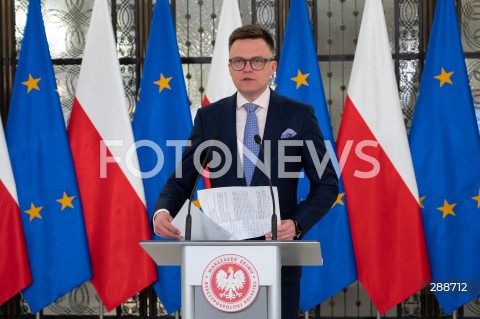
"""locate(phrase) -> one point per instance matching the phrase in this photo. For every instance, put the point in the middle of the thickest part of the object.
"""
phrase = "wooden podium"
(232, 279)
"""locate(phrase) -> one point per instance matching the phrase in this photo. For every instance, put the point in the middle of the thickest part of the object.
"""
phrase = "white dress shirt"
(241, 117)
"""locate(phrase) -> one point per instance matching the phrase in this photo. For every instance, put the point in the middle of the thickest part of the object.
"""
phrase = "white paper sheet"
(203, 228)
(246, 212)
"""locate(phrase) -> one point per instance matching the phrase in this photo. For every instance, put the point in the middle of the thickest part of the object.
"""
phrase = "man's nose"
(248, 67)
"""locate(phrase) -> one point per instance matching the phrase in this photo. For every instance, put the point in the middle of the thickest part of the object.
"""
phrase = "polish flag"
(382, 195)
(106, 164)
(14, 266)
(220, 83)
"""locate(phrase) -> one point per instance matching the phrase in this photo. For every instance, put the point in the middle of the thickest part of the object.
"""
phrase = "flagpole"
(307, 315)
(37, 315)
(177, 314)
(100, 310)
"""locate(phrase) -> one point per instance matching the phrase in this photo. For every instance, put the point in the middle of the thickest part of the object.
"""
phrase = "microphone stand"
(188, 220)
(258, 140)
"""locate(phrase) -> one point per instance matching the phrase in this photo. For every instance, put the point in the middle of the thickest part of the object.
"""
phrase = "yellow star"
(421, 201)
(34, 211)
(477, 198)
(300, 79)
(197, 203)
(339, 200)
(447, 209)
(444, 77)
(66, 201)
(163, 83)
(32, 83)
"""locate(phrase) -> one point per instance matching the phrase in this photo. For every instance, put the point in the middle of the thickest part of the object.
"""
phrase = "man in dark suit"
(296, 143)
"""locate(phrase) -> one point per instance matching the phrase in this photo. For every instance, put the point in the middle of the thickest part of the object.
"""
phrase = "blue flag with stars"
(162, 114)
(298, 77)
(445, 147)
(43, 169)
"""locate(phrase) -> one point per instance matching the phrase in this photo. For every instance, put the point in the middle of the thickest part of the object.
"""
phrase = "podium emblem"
(230, 283)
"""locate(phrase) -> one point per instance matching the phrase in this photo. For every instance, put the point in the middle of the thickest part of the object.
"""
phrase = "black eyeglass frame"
(265, 60)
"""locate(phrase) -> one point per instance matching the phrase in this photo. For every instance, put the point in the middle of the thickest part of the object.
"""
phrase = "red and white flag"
(14, 266)
(377, 170)
(220, 83)
(106, 164)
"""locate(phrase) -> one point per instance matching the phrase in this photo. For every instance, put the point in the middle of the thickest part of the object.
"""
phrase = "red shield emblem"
(230, 283)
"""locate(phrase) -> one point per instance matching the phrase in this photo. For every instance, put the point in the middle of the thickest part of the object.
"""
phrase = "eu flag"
(298, 77)
(445, 146)
(162, 114)
(42, 166)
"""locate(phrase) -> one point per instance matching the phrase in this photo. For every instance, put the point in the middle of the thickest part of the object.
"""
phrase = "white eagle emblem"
(230, 283)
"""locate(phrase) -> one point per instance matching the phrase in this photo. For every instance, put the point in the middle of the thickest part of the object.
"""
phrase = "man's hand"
(163, 226)
(286, 231)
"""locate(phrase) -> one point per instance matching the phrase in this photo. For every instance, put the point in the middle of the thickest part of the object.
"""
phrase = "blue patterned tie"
(251, 129)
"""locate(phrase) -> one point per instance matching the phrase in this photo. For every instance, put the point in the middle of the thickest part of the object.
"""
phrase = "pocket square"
(288, 133)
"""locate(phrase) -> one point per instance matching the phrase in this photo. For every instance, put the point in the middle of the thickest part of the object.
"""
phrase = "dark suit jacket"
(219, 119)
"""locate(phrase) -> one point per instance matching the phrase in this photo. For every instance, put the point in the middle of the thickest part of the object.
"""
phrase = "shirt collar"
(262, 101)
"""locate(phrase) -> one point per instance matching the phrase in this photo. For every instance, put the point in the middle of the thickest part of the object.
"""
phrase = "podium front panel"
(209, 288)
(262, 258)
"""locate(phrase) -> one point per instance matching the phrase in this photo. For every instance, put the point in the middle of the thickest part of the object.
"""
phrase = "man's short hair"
(251, 31)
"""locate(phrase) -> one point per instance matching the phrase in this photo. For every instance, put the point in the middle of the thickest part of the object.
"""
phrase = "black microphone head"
(258, 139)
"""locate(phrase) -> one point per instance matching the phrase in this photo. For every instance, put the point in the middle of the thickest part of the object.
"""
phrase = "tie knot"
(250, 107)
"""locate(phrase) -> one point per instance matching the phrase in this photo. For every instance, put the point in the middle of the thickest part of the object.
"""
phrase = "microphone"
(188, 221)
(258, 140)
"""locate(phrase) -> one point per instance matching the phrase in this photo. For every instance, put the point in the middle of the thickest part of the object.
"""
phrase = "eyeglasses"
(257, 63)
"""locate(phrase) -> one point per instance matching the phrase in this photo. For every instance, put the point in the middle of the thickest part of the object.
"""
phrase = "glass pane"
(245, 11)
(81, 301)
(335, 76)
(20, 21)
(473, 68)
(470, 25)
(66, 25)
(67, 77)
(338, 23)
(196, 77)
(196, 22)
(409, 28)
(265, 11)
(126, 18)
(67, 22)
(182, 23)
(129, 77)
(409, 85)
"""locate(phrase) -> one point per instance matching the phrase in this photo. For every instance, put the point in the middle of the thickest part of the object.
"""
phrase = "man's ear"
(274, 68)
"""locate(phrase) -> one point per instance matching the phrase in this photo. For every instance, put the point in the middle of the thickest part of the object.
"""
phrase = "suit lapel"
(277, 117)
(226, 119)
